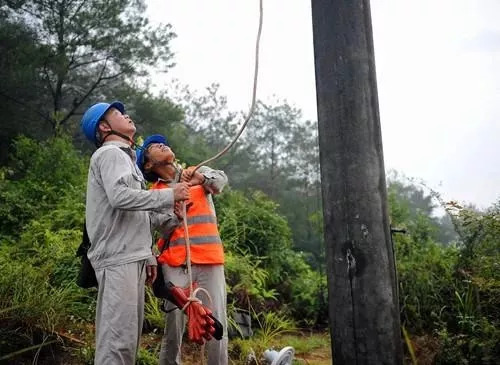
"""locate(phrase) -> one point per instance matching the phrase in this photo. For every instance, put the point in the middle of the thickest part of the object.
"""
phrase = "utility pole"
(362, 287)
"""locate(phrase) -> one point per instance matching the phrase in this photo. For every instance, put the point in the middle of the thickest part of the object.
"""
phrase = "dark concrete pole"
(363, 302)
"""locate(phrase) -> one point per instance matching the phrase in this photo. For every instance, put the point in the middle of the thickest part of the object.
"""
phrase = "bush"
(451, 291)
(39, 174)
(426, 282)
(28, 298)
(260, 263)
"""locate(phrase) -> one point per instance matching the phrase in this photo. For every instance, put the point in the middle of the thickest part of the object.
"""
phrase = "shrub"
(39, 174)
(260, 263)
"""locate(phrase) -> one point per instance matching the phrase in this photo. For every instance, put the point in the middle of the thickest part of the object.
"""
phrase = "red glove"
(201, 324)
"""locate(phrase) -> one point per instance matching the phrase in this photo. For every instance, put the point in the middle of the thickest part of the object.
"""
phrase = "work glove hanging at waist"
(201, 323)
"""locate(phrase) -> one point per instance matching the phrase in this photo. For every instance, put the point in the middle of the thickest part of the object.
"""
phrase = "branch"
(80, 102)
(77, 34)
(76, 65)
(113, 76)
(24, 104)
(35, 15)
(52, 91)
(77, 11)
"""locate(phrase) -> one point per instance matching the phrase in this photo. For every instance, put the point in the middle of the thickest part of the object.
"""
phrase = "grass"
(310, 348)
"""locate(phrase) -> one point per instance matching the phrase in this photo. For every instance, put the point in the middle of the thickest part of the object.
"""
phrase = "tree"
(91, 45)
(266, 140)
(20, 61)
(411, 204)
(284, 149)
(210, 125)
(152, 113)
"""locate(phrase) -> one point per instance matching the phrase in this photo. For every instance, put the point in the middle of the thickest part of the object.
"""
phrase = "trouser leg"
(170, 351)
(119, 313)
(211, 277)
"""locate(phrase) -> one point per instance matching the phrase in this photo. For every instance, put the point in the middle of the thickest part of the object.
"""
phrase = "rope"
(192, 294)
(254, 94)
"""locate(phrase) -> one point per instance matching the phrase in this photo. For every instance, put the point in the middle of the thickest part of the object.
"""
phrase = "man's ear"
(148, 165)
(104, 127)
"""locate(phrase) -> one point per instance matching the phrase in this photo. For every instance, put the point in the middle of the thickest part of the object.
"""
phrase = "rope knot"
(190, 300)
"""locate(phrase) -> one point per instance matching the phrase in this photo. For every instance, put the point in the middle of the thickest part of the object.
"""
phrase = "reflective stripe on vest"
(201, 219)
(206, 245)
(200, 240)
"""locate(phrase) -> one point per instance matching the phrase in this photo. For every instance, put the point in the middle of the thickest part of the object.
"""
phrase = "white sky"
(438, 74)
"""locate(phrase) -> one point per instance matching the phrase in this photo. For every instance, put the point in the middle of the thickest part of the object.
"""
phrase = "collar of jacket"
(124, 147)
(175, 180)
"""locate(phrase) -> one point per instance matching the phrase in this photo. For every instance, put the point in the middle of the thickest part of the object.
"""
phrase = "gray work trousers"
(211, 278)
(120, 313)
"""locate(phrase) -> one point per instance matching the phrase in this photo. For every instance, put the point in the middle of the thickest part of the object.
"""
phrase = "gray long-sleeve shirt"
(119, 212)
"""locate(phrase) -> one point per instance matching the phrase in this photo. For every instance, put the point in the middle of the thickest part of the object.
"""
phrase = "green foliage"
(306, 342)
(480, 347)
(20, 61)
(34, 299)
(246, 279)
(272, 326)
(474, 335)
(412, 208)
(305, 292)
(40, 173)
(252, 224)
(90, 45)
(86, 354)
(42, 214)
(146, 357)
(207, 114)
(154, 317)
(426, 282)
(451, 291)
(261, 264)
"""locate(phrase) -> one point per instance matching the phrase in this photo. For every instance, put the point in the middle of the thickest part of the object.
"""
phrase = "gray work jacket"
(120, 213)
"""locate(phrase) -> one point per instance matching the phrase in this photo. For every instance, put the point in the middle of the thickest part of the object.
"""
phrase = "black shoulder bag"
(86, 274)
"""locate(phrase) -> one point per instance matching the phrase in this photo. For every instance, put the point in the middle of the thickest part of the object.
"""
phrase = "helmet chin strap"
(121, 135)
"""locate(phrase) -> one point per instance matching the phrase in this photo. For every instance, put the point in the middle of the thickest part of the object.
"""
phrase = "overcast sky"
(438, 74)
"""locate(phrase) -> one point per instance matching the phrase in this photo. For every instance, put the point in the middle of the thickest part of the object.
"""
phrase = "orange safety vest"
(206, 245)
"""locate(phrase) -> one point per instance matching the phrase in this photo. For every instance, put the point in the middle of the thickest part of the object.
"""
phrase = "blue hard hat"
(94, 115)
(155, 138)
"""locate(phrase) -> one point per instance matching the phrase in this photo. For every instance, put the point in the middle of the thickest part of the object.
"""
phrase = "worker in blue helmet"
(157, 162)
(97, 123)
(119, 215)
(143, 156)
